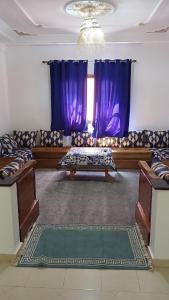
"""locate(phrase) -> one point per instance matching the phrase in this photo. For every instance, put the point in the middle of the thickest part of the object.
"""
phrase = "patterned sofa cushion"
(82, 139)
(108, 142)
(133, 139)
(161, 170)
(156, 139)
(1, 148)
(24, 153)
(9, 144)
(11, 168)
(49, 138)
(25, 138)
(159, 154)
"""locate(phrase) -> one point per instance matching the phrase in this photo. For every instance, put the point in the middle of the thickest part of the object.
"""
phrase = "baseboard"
(10, 257)
(161, 263)
(158, 262)
(7, 257)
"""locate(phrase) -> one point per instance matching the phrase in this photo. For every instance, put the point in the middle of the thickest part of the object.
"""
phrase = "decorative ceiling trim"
(162, 30)
(154, 11)
(21, 33)
(26, 14)
(6, 31)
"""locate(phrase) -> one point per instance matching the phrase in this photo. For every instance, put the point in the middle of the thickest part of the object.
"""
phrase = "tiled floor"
(77, 284)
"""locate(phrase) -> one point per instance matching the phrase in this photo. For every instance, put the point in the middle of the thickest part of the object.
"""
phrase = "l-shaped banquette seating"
(48, 147)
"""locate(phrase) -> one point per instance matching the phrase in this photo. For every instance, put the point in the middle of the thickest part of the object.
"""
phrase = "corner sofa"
(52, 146)
(152, 207)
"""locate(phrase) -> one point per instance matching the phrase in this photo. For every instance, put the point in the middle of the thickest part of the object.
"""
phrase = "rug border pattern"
(141, 258)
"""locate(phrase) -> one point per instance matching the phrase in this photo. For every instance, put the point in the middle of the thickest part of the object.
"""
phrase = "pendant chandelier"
(90, 30)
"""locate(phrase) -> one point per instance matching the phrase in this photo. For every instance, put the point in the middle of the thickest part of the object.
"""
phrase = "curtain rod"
(90, 61)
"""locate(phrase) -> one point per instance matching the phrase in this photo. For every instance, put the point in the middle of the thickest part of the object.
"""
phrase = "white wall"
(4, 102)
(29, 82)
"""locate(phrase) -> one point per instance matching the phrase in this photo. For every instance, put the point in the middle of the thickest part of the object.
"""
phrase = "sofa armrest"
(143, 165)
(155, 181)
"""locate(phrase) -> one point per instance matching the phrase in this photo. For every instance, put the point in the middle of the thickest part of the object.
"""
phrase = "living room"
(25, 94)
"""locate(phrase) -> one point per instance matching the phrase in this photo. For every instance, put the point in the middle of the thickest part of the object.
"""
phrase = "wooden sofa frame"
(28, 205)
(125, 158)
(148, 181)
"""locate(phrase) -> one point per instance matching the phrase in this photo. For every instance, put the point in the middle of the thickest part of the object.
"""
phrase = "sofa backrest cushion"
(9, 144)
(108, 142)
(161, 170)
(156, 139)
(12, 167)
(49, 138)
(133, 139)
(82, 139)
(1, 148)
(25, 138)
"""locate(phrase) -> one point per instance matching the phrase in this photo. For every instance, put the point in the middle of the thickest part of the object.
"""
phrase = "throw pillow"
(108, 142)
(11, 168)
(161, 170)
(82, 139)
(9, 144)
(25, 138)
(133, 139)
(49, 138)
(156, 139)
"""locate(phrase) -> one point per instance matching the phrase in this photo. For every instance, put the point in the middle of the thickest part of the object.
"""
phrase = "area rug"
(81, 246)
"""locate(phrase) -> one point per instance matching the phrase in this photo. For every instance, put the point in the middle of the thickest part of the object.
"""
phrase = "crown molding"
(6, 32)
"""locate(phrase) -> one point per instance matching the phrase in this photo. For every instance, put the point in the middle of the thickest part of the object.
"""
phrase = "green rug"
(82, 246)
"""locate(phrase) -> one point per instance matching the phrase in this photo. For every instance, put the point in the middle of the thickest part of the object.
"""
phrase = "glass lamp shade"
(90, 32)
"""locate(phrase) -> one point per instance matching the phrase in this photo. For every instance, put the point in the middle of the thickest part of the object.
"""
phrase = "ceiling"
(45, 21)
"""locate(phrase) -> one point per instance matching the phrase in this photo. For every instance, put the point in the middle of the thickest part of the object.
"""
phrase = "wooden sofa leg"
(72, 173)
(106, 173)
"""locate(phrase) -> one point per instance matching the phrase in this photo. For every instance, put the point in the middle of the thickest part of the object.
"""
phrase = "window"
(90, 101)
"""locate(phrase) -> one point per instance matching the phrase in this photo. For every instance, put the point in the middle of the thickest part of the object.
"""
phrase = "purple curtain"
(68, 95)
(112, 98)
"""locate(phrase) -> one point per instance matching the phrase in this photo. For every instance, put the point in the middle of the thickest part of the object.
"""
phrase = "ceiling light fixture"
(90, 31)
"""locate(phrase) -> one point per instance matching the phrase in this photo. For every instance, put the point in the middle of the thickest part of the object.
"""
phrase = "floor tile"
(46, 277)
(141, 296)
(164, 272)
(4, 292)
(14, 276)
(153, 282)
(69, 294)
(118, 280)
(21, 293)
(82, 279)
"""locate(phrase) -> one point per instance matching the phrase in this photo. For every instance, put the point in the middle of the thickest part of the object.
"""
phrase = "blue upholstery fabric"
(51, 138)
(133, 139)
(11, 168)
(1, 148)
(82, 139)
(159, 154)
(24, 153)
(157, 139)
(25, 138)
(9, 144)
(161, 170)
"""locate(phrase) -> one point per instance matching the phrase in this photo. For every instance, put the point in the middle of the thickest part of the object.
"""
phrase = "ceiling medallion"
(90, 31)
